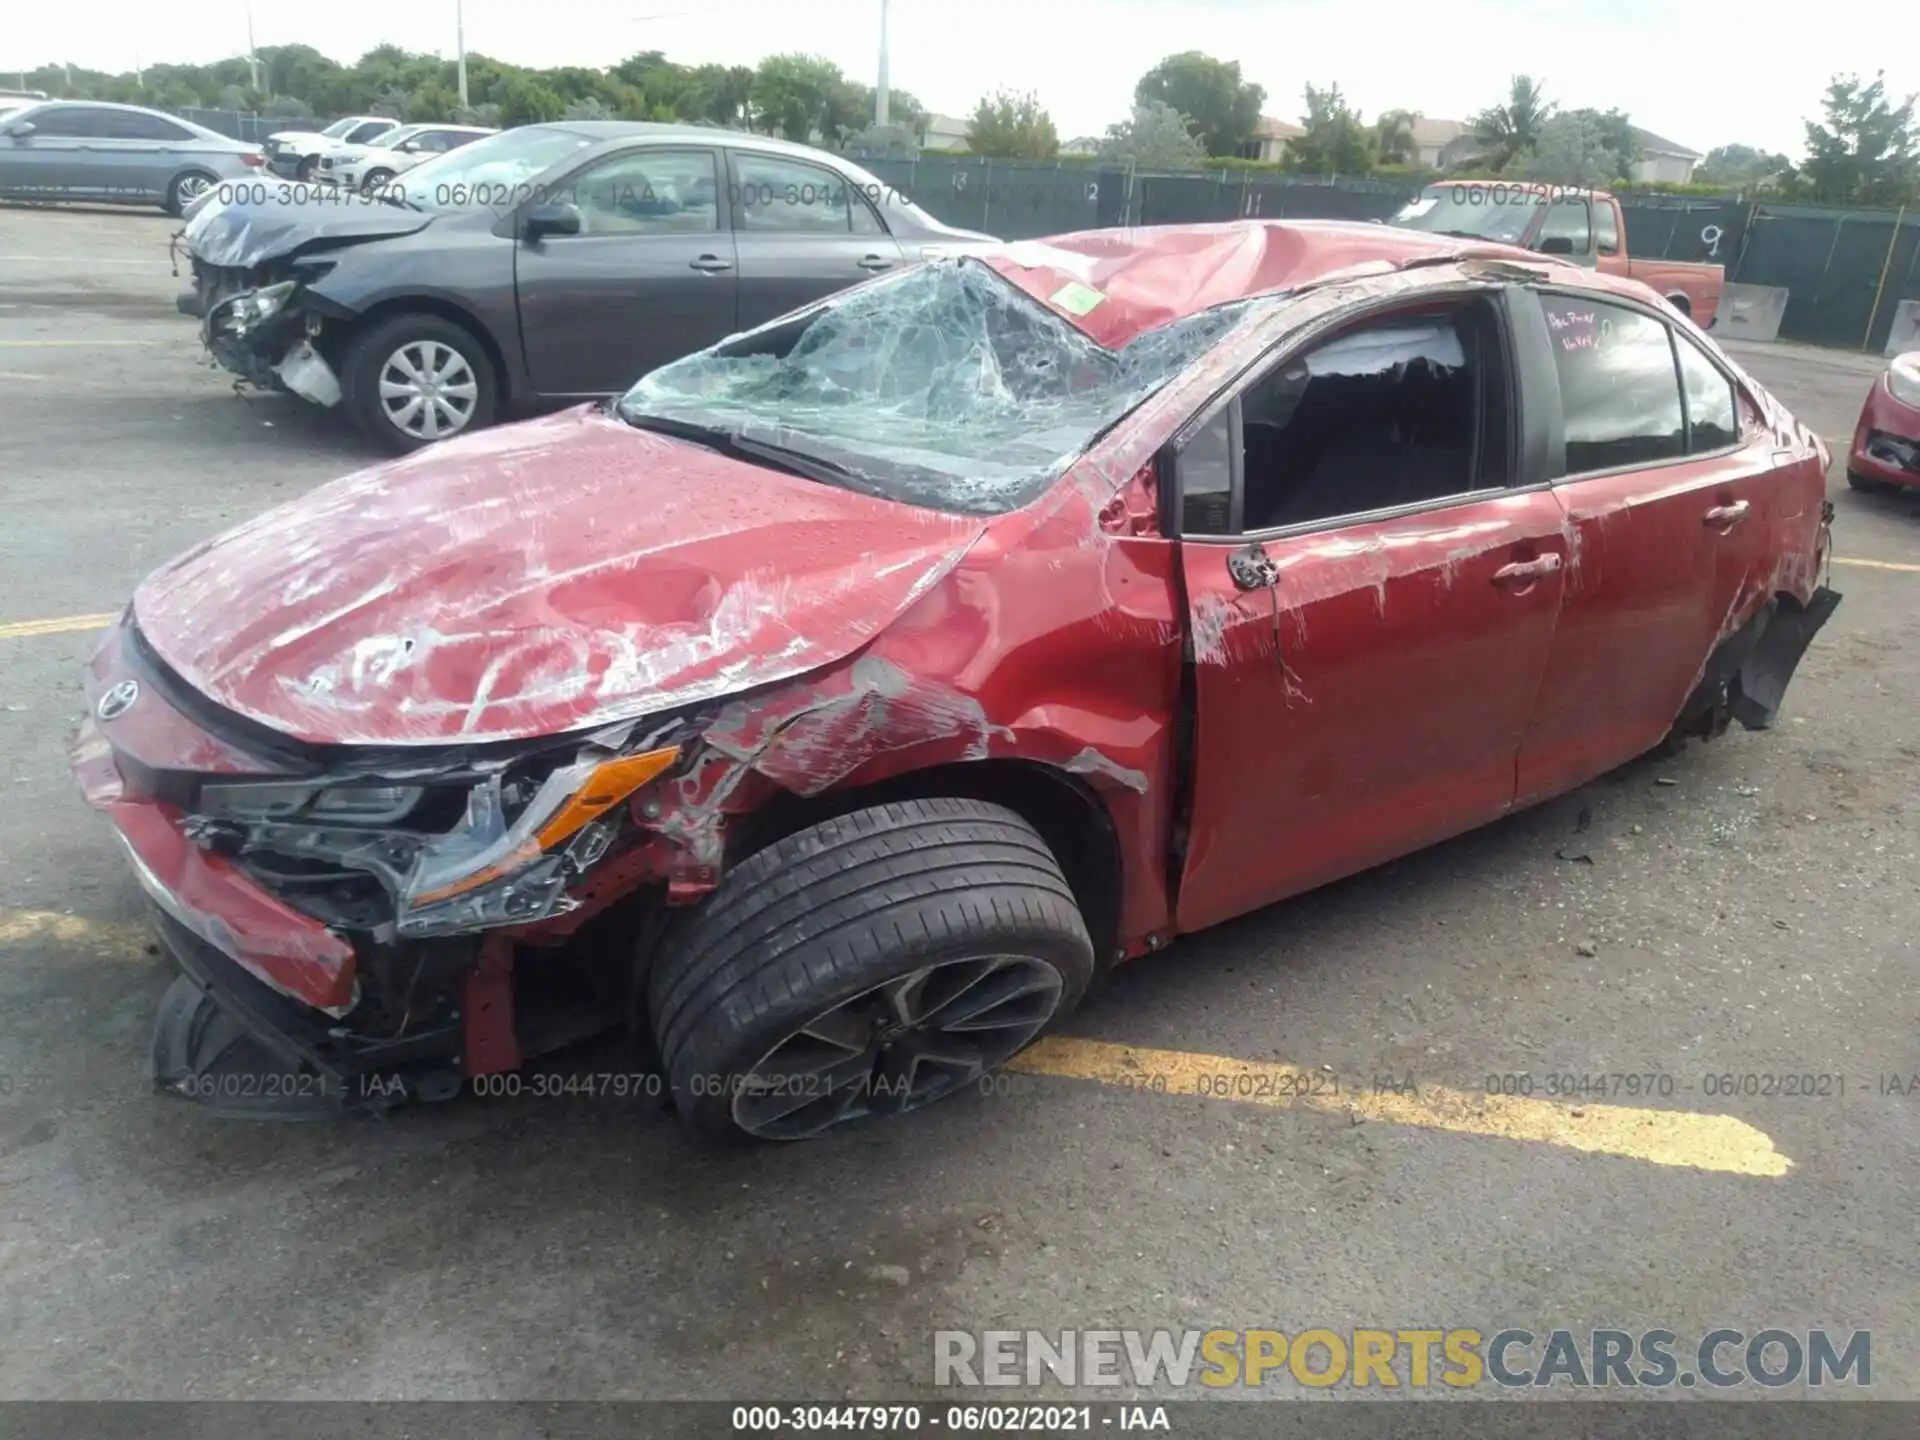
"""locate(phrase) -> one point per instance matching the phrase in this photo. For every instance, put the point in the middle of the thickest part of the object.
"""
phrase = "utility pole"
(880, 93)
(460, 46)
(253, 60)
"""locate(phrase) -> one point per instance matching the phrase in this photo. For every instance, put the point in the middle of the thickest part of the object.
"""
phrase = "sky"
(1702, 75)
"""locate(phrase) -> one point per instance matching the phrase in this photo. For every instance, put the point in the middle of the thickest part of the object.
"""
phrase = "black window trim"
(1523, 476)
(1557, 461)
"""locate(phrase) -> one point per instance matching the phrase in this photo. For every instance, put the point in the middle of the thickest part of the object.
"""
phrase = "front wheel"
(867, 965)
(376, 180)
(415, 379)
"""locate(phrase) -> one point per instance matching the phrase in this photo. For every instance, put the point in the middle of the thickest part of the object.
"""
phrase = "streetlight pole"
(253, 59)
(460, 46)
(880, 93)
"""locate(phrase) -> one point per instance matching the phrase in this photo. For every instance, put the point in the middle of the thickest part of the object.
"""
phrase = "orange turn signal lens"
(605, 788)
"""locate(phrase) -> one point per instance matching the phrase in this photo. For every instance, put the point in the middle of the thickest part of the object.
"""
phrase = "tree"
(1739, 165)
(1867, 152)
(1393, 138)
(1337, 142)
(1155, 137)
(1506, 131)
(1012, 125)
(720, 95)
(1222, 110)
(1573, 149)
(525, 101)
(793, 95)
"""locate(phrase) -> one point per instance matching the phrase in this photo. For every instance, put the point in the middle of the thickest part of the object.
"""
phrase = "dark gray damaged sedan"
(545, 263)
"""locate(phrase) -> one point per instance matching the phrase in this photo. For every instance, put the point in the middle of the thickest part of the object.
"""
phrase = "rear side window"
(792, 197)
(1606, 228)
(363, 133)
(132, 125)
(1618, 389)
(1712, 413)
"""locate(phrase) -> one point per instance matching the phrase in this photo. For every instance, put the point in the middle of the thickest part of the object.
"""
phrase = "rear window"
(1618, 390)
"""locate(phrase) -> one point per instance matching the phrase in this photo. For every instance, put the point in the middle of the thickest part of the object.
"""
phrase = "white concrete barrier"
(1750, 312)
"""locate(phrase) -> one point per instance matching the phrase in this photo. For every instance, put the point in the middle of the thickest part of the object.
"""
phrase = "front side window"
(71, 122)
(649, 192)
(1395, 412)
(1712, 412)
(1606, 228)
(1568, 220)
(1618, 390)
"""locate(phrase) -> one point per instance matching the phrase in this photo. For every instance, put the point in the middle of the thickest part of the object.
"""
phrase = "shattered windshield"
(945, 386)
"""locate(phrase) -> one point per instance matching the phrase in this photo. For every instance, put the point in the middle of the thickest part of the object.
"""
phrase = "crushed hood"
(268, 220)
(533, 579)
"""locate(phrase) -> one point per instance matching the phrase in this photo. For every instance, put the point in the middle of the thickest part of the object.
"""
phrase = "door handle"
(1525, 572)
(1726, 516)
(710, 264)
(875, 262)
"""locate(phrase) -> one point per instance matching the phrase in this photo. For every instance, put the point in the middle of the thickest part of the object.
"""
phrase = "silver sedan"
(118, 154)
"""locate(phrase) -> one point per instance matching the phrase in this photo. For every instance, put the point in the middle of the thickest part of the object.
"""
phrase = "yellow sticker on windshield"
(1075, 298)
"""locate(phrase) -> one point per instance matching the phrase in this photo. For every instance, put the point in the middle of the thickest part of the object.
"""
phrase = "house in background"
(1662, 162)
(1441, 144)
(945, 132)
(1082, 145)
(1270, 139)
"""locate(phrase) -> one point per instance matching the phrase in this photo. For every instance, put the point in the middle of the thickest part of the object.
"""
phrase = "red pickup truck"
(1586, 226)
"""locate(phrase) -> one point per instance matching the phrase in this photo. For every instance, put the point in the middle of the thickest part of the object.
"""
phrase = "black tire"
(176, 202)
(818, 922)
(304, 170)
(1867, 485)
(374, 179)
(1682, 304)
(368, 355)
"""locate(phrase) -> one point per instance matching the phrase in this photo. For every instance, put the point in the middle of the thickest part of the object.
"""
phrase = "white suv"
(298, 152)
(371, 166)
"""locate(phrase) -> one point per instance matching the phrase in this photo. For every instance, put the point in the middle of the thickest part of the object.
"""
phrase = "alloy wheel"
(428, 390)
(899, 1046)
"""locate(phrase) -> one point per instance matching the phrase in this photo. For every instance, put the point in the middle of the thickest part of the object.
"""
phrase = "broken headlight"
(510, 859)
(1903, 379)
(337, 804)
(258, 306)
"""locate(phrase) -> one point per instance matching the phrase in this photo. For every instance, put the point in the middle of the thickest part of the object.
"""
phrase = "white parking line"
(82, 260)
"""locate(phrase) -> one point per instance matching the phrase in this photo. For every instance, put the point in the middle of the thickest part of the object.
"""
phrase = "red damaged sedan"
(1885, 455)
(840, 702)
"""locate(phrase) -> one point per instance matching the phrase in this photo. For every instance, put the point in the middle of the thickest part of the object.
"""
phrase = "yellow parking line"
(106, 937)
(19, 629)
(1877, 564)
(1660, 1137)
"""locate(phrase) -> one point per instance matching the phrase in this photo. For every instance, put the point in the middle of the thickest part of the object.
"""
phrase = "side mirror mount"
(20, 129)
(544, 220)
(1557, 245)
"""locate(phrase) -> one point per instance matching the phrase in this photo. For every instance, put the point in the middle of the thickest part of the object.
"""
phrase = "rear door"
(1665, 480)
(140, 153)
(649, 278)
(1372, 581)
(802, 232)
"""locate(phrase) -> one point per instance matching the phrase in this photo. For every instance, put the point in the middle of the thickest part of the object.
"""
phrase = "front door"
(1371, 603)
(803, 232)
(1666, 487)
(650, 277)
(61, 159)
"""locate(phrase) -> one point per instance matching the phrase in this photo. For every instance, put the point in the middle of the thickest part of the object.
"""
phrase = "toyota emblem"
(117, 701)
